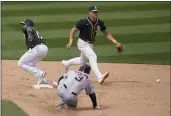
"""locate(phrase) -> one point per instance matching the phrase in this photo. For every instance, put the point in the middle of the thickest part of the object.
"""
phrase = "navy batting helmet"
(85, 68)
(28, 22)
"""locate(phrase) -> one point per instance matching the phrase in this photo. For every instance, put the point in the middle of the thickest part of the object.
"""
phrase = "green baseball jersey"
(35, 39)
(89, 29)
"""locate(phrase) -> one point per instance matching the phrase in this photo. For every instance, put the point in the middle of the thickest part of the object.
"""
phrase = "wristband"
(114, 41)
(70, 41)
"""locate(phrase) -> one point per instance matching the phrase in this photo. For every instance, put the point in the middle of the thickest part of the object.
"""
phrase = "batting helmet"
(85, 68)
(28, 22)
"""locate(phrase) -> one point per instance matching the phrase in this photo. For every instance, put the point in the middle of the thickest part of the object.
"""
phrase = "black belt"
(71, 92)
(91, 42)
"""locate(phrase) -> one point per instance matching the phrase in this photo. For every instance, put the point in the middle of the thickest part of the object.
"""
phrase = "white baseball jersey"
(76, 81)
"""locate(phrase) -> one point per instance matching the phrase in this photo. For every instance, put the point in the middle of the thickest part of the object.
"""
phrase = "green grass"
(143, 27)
(160, 58)
(57, 10)
(112, 22)
(9, 108)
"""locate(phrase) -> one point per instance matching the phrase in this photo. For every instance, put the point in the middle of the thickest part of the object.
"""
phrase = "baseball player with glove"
(88, 28)
(37, 50)
(71, 84)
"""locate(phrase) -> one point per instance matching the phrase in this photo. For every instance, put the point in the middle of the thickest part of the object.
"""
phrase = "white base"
(42, 86)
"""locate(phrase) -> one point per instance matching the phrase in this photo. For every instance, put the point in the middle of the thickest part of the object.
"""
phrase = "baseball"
(158, 80)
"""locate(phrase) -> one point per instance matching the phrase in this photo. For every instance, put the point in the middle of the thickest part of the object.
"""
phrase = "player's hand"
(98, 108)
(120, 47)
(69, 46)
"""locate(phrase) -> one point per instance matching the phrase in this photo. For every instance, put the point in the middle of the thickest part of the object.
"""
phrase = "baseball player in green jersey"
(37, 50)
(88, 28)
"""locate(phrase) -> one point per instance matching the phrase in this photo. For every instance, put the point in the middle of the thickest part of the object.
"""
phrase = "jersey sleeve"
(102, 26)
(79, 24)
(89, 89)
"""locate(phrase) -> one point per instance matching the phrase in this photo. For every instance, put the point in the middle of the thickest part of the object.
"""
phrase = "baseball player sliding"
(37, 50)
(71, 84)
(88, 28)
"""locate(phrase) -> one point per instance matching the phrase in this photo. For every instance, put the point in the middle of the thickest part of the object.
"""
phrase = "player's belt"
(71, 92)
(91, 42)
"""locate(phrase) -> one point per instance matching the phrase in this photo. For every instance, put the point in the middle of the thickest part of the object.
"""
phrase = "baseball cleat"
(42, 79)
(42, 82)
(104, 76)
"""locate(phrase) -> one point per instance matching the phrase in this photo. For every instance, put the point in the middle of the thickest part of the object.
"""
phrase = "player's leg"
(62, 104)
(42, 79)
(72, 102)
(62, 93)
(89, 53)
(87, 50)
(78, 60)
(42, 51)
(27, 59)
(70, 99)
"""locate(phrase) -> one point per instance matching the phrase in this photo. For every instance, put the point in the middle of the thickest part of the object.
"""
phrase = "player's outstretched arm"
(110, 37)
(94, 101)
(119, 46)
(71, 36)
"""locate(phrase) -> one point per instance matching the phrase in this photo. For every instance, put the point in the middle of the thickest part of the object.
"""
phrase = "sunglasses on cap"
(95, 11)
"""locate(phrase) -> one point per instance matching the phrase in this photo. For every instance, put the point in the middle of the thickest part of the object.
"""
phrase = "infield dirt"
(130, 90)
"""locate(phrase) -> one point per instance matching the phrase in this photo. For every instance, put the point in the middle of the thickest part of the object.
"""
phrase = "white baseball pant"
(87, 54)
(66, 96)
(29, 60)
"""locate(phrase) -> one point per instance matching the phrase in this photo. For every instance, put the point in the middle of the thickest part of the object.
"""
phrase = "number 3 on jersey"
(78, 78)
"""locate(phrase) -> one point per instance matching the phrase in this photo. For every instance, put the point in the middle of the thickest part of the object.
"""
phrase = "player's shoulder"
(83, 19)
(100, 21)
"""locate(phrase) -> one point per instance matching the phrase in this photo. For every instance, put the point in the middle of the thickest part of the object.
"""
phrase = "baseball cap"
(27, 22)
(94, 8)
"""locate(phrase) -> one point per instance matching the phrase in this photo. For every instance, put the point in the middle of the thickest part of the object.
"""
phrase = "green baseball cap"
(94, 8)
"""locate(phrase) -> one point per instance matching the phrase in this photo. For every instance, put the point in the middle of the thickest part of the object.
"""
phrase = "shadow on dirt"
(90, 108)
(112, 83)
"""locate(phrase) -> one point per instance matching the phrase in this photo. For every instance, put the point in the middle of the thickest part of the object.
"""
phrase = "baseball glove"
(120, 48)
